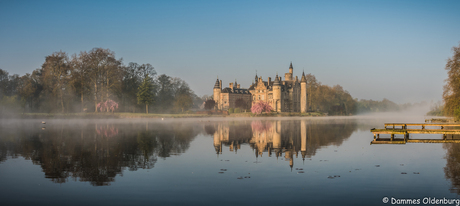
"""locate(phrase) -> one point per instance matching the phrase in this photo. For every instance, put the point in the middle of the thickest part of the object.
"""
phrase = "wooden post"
(392, 137)
(375, 136)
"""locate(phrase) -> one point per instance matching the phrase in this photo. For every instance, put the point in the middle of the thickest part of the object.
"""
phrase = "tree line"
(88, 81)
(332, 100)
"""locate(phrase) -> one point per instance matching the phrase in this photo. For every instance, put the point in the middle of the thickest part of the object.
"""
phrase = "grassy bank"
(281, 114)
(102, 115)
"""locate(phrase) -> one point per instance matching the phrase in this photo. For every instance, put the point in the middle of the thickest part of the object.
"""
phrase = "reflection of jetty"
(440, 120)
(402, 129)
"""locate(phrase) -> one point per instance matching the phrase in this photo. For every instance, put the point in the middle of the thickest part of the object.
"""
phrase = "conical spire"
(303, 79)
(290, 67)
(277, 80)
(217, 84)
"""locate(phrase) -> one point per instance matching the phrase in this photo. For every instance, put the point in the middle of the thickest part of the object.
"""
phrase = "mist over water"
(205, 160)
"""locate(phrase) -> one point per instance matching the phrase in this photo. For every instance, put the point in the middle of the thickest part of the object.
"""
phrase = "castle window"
(259, 97)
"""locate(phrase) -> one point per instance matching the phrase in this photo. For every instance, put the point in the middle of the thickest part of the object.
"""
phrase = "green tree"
(209, 104)
(184, 101)
(145, 94)
(241, 104)
(133, 75)
(165, 95)
(451, 94)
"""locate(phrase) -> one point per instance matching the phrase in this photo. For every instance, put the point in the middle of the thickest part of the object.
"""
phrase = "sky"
(373, 49)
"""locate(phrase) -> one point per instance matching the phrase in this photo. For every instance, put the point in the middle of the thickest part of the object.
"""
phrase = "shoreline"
(147, 116)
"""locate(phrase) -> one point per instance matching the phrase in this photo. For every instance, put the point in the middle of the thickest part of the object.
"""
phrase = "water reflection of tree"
(95, 153)
(325, 133)
(452, 169)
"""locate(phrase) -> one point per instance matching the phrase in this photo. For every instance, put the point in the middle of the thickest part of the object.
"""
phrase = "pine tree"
(145, 93)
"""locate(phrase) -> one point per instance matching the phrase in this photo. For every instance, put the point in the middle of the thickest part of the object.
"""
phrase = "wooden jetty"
(402, 129)
(423, 125)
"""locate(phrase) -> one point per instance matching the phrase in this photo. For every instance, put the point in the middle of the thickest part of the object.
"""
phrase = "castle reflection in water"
(281, 138)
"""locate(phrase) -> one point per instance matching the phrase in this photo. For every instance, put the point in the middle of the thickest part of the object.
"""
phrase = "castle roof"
(277, 80)
(235, 91)
(303, 78)
(217, 84)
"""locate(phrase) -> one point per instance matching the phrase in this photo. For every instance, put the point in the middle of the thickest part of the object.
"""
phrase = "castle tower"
(217, 89)
(217, 142)
(277, 138)
(303, 138)
(303, 94)
(277, 94)
(288, 76)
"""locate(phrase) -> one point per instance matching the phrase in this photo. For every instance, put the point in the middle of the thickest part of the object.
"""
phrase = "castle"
(289, 95)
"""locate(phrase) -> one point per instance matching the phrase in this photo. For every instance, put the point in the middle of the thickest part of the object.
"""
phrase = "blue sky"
(374, 49)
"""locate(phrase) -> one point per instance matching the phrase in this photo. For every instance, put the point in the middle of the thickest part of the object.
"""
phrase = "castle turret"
(303, 138)
(217, 143)
(277, 94)
(217, 89)
(303, 94)
(288, 76)
(276, 141)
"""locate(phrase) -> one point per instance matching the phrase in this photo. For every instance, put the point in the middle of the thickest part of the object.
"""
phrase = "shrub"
(237, 110)
(230, 110)
(260, 107)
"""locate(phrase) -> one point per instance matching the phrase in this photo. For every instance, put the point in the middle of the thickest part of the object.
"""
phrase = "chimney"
(231, 85)
(296, 79)
(269, 81)
(238, 86)
(220, 85)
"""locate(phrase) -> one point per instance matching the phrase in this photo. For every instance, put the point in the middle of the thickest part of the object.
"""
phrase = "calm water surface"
(318, 161)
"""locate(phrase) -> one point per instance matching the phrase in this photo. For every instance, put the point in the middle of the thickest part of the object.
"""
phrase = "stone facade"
(288, 95)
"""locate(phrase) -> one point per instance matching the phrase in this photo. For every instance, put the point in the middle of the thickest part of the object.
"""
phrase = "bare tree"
(56, 72)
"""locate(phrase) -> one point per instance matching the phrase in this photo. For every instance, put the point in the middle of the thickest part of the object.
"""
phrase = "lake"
(221, 161)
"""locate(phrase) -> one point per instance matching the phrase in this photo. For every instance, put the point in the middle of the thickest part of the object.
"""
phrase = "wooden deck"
(404, 141)
(401, 129)
(423, 125)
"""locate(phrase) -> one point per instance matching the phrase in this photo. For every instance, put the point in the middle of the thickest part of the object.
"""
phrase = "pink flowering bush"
(110, 104)
(107, 131)
(260, 107)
